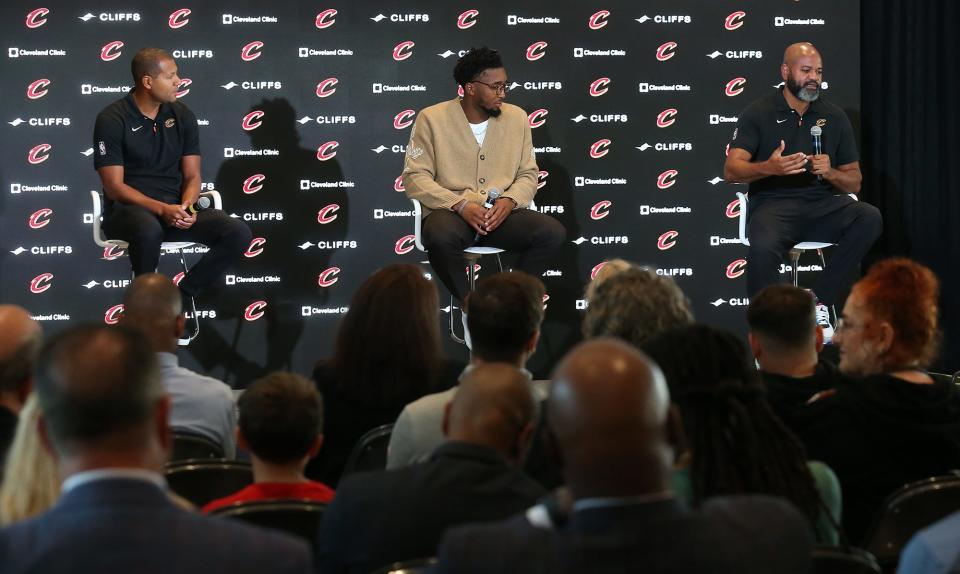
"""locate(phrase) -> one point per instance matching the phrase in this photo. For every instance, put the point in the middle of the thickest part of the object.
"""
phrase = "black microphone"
(201, 204)
(815, 133)
(492, 195)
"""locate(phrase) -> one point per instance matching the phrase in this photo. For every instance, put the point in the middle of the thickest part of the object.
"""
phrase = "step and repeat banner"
(305, 110)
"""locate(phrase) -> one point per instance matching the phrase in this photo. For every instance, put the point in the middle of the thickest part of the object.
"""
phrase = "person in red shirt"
(281, 422)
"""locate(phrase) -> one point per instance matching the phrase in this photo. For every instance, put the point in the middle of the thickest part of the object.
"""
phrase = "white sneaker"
(823, 319)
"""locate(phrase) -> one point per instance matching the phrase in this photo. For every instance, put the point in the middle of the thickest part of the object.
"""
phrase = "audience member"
(635, 304)
(387, 354)
(31, 482)
(201, 405)
(933, 550)
(281, 418)
(20, 339)
(504, 313)
(892, 423)
(104, 414)
(381, 517)
(735, 444)
(608, 411)
(607, 270)
(786, 340)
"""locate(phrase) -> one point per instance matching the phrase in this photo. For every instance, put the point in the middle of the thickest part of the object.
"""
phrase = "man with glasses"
(465, 150)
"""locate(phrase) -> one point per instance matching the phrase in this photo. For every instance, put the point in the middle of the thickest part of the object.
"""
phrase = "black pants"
(226, 237)
(776, 223)
(536, 237)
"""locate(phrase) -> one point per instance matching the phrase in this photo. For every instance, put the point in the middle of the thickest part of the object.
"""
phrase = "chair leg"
(794, 265)
(471, 260)
(194, 322)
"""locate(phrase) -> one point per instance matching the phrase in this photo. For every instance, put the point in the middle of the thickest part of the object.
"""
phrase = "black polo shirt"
(148, 149)
(770, 119)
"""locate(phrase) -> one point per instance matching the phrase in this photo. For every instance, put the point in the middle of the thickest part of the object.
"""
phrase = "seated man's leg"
(535, 237)
(854, 226)
(227, 238)
(141, 229)
(770, 228)
(445, 236)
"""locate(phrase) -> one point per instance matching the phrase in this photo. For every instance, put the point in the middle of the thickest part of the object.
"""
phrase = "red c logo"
(542, 178)
(254, 310)
(667, 240)
(398, 185)
(179, 18)
(666, 51)
(37, 17)
(599, 86)
(667, 178)
(600, 210)
(736, 268)
(327, 150)
(327, 87)
(404, 245)
(733, 209)
(40, 218)
(38, 88)
(254, 183)
(536, 51)
(598, 20)
(596, 270)
(111, 51)
(326, 18)
(184, 87)
(537, 118)
(403, 50)
(666, 118)
(734, 20)
(41, 283)
(39, 153)
(403, 119)
(600, 148)
(256, 247)
(252, 120)
(112, 316)
(178, 278)
(111, 252)
(467, 19)
(251, 51)
(735, 86)
(328, 276)
(328, 213)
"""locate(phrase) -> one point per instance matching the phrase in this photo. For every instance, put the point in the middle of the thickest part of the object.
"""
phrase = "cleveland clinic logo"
(600, 210)
(599, 87)
(112, 315)
(467, 19)
(251, 51)
(37, 17)
(735, 87)
(667, 240)
(404, 119)
(325, 19)
(41, 283)
(403, 50)
(598, 19)
(537, 118)
(600, 148)
(254, 310)
(179, 18)
(183, 87)
(254, 183)
(328, 276)
(328, 214)
(666, 179)
(734, 20)
(252, 120)
(256, 247)
(666, 118)
(326, 88)
(405, 245)
(327, 151)
(111, 51)
(38, 88)
(736, 268)
(39, 153)
(536, 51)
(666, 51)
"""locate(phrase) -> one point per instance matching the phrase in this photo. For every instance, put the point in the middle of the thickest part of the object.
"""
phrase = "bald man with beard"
(795, 193)
(20, 339)
(608, 411)
(382, 517)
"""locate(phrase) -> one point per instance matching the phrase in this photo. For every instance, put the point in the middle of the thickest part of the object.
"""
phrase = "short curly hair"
(634, 305)
(474, 62)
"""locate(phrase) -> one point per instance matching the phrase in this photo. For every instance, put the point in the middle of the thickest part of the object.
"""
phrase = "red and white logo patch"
(39, 153)
(598, 19)
(666, 51)
(599, 87)
(256, 247)
(111, 51)
(179, 18)
(666, 179)
(596, 270)
(328, 276)
(184, 87)
(41, 283)
(251, 51)
(542, 178)
(403, 50)
(667, 240)
(736, 268)
(733, 209)
(404, 245)
(111, 252)
(735, 87)
(178, 278)
(467, 19)
(40, 218)
(328, 150)
(600, 148)
(254, 310)
(37, 17)
(537, 118)
(325, 19)
(404, 119)
(667, 117)
(327, 213)
(254, 183)
(326, 88)
(734, 20)
(600, 210)
(38, 88)
(252, 120)
(398, 185)
(536, 51)
(112, 316)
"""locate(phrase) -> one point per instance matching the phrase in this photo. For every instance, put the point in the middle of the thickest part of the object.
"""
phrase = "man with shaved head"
(799, 193)
(609, 410)
(20, 339)
(200, 405)
(382, 517)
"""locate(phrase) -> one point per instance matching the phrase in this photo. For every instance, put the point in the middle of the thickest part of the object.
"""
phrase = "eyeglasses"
(498, 87)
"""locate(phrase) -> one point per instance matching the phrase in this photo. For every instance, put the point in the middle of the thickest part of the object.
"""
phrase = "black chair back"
(908, 510)
(370, 452)
(838, 560)
(188, 445)
(295, 516)
(416, 566)
(203, 480)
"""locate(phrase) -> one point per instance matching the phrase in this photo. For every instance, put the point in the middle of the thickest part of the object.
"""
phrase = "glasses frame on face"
(497, 88)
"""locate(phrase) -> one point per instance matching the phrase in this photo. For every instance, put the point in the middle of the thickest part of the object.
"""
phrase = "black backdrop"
(651, 88)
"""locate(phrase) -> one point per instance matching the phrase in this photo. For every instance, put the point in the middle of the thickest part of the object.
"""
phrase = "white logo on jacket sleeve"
(102, 147)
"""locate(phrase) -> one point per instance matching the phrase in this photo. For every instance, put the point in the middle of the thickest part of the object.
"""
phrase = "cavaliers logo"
(38, 88)
(254, 310)
(598, 19)
(600, 148)
(252, 120)
(111, 51)
(536, 51)
(733, 209)
(111, 252)
(596, 270)
(256, 247)
(179, 18)
(325, 19)
(537, 118)
(328, 276)
(251, 51)
(822, 122)
(327, 214)
(37, 17)
(667, 240)
(734, 20)
(403, 50)
(39, 153)
(254, 183)
(542, 178)
(735, 87)
(178, 278)
(327, 151)
(398, 185)
(599, 87)
(112, 316)
(736, 268)
(404, 119)
(41, 283)
(184, 89)
(326, 88)
(666, 179)
(667, 117)
(666, 51)
(467, 19)
(600, 210)
(405, 245)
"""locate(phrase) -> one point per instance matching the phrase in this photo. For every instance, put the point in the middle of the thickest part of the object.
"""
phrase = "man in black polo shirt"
(147, 151)
(796, 195)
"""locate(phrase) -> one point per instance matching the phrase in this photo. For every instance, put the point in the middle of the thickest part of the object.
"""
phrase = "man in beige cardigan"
(460, 151)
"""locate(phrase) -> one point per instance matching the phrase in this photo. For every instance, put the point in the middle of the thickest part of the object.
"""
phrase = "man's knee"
(869, 221)
(440, 232)
(237, 236)
(549, 232)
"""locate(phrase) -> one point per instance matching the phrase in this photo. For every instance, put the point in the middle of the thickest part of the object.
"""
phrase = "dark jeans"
(535, 236)
(226, 237)
(776, 223)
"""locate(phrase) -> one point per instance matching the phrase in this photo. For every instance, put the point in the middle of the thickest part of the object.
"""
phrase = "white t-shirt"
(479, 131)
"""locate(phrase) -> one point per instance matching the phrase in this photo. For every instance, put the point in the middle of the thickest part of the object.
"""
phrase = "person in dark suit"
(381, 517)
(105, 419)
(608, 411)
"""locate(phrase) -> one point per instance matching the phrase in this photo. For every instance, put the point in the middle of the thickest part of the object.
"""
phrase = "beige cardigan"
(444, 164)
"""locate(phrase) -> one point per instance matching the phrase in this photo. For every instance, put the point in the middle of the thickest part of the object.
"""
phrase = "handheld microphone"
(201, 204)
(815, 133)
(492, 195)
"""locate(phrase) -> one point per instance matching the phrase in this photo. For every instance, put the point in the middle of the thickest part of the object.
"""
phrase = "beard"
(803, 93)
(492, 112)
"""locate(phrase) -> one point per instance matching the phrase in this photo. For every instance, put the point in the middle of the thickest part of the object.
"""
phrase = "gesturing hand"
(779, 164)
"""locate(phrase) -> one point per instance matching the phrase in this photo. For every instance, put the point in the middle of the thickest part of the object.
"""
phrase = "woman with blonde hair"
(31, 483)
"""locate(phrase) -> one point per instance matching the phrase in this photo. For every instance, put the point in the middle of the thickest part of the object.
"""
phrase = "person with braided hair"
(733, 441)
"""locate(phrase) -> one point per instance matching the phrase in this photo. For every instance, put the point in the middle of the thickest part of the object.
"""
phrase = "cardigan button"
(481, 157)
(483, 192)
(482, 180)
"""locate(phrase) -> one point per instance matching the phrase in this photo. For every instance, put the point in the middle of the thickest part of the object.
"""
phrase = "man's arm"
(524, 185)
(846, 178)
(190, 190)
(419, 169)
(116, 190)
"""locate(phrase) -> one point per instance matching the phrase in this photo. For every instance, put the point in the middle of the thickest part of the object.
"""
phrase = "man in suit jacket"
(608, 410)
(381, 517)
(459, 152)
(105, 420)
